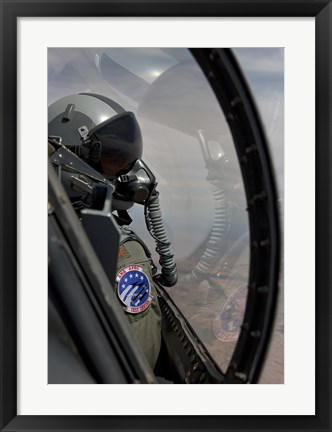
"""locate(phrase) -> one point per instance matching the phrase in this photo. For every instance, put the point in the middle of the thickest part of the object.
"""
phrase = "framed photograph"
(242, 284)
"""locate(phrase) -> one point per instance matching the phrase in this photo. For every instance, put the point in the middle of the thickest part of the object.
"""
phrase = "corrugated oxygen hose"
(155, 226)
(211, 255)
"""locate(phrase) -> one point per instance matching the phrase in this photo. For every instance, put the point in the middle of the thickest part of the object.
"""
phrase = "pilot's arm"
(137, 295)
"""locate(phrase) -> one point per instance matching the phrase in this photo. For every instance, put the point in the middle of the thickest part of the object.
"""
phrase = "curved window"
(188, 145)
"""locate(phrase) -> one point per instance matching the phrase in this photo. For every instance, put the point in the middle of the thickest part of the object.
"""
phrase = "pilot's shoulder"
(131, 251)
(131, 243)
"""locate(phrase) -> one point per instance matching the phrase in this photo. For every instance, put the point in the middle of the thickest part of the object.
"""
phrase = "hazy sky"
(172, 100)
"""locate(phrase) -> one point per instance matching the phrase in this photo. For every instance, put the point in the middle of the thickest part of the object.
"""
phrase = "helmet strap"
(93, 146)
(95, 152)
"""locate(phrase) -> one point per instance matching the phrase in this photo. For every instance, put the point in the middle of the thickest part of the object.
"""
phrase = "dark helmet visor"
(121, 143)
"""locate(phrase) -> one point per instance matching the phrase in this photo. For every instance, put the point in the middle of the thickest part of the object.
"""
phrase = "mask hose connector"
(155, 226)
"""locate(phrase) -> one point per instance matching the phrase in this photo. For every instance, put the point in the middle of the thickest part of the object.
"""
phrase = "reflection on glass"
(189, 148)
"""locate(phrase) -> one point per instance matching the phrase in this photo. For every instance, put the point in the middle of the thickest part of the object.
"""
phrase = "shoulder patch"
(133, 289)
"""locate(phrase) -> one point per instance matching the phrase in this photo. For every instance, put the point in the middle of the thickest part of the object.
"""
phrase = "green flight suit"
(146, 325)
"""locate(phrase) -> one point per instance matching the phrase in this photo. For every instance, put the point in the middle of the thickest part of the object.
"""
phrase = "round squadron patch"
(134, 289)
(227, 322)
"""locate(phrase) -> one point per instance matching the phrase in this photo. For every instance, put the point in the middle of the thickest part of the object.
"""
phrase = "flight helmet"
(98, 130)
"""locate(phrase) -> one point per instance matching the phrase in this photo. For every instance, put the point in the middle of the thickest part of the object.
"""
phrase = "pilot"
(108, 138)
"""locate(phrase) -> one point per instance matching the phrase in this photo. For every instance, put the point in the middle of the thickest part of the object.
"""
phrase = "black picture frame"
(10, 10)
